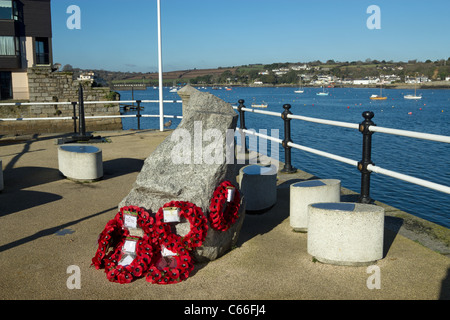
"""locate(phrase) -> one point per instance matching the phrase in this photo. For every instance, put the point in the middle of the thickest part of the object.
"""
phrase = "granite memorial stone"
(190, 164)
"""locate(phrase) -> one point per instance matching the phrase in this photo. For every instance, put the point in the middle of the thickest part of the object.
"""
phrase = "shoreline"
(400, 86)
(441, 85)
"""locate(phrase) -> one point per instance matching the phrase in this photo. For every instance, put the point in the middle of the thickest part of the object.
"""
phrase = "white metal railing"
(328, 122)
(33, 103)
(370, 167)
(87, 117)
(270, 113)
(404, 177)
(405, 133)
(357, 126)
(411, 134)
(261, 135)
(324, 154)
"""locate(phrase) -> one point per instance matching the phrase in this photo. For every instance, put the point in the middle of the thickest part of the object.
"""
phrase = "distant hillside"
(183, 74)
(109, 78)
(283, 73)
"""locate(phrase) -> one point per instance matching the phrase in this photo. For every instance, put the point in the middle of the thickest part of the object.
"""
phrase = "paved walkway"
(48, 223)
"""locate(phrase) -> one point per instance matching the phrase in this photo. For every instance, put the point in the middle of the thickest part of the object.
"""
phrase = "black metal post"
(74, 117)
(288, 168)
(242, 124)
(139, 114)
(366, 156)
(81, 122)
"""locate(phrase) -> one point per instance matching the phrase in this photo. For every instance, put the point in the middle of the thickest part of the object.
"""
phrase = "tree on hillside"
(67, 68)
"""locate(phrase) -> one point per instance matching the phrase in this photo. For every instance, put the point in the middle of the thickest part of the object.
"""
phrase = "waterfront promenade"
(48, 223)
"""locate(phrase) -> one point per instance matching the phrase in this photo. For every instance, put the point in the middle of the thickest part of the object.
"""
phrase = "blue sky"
(121, 35)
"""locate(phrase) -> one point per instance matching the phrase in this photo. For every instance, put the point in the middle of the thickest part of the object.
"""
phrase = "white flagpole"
(161, 106)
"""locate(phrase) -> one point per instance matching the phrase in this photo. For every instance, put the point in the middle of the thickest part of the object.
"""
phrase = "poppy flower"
(137, 271)
(223, 214)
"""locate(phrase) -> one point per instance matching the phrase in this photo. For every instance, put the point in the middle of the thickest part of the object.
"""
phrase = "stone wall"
(47, 86)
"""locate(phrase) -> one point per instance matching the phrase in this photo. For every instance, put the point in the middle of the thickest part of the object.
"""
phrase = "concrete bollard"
(80, 162)
(258, 184)
(345, 233)
(1, 176)
(307, 192)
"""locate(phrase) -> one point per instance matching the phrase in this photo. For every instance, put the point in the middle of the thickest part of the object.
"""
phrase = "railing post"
(288, 168)
(366, 156)
(74, 117)
(242, 124)
(139, 114)
(81, 122)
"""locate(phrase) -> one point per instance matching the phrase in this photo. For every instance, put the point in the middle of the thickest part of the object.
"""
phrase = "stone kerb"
(162, 179)
(307, 192)
(342, 233)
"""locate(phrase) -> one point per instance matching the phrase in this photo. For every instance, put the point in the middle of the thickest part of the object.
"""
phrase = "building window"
(5, 85)
(8, 10)
(42, 51)
(9, 46)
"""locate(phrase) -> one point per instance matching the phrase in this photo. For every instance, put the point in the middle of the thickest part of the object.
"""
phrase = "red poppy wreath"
(224, 208)
(196, 218)
(123, 266)
(125, 246)
(172, 263)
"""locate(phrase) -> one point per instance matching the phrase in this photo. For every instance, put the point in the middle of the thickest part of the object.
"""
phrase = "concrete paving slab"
(49, 223)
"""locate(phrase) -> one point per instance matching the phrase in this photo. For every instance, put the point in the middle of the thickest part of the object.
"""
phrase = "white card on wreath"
(166, 252)
(126, 260)
(136, 232)
(130, 221)
(129, 246)
(230, 194)
(171, 214)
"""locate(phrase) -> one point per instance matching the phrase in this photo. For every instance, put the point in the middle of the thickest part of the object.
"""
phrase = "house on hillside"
(25, 42)
(87, 76)
(366, 81)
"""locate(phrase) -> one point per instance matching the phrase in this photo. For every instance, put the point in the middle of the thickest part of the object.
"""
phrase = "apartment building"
(25, 42)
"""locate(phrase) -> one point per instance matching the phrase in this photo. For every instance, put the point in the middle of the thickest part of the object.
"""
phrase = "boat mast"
(161, 104)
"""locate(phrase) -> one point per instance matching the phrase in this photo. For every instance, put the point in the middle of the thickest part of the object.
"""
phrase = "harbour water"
(415, 157)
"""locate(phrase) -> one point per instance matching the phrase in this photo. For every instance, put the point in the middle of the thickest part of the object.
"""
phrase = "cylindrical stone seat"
(345, 233)
(80, 162)
(258, 184)
(307, 192)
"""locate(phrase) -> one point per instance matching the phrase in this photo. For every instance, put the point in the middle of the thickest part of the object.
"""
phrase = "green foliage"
(248, 74)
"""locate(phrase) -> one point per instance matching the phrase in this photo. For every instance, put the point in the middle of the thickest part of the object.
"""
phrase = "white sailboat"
(260, 105)
(379, 97)
(415, 96)
(323, 93)
(300, 89)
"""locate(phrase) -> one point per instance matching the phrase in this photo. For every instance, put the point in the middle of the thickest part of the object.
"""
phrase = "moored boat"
(412, 97)
(377, 97)
(323, 93)
(260, 105)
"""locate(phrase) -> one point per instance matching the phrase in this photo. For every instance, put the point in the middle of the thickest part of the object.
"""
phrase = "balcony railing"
(42, 58)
